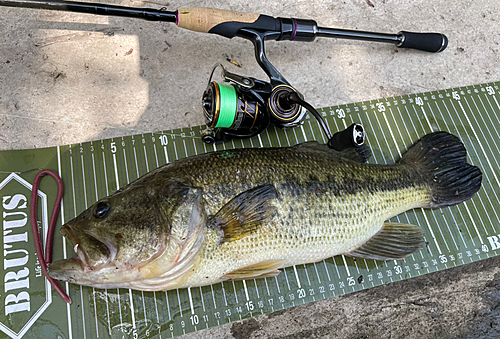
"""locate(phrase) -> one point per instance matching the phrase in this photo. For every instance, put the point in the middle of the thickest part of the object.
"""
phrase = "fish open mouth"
(92, 252)
(68, 269)
(68, 233)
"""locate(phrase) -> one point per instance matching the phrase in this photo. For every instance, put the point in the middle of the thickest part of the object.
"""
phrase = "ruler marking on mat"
(65, 253)
(116, 171)
(490, 140)
(76, 211)
(487, 158)
(472, 162)
(480, 143)
(86, 206)
(190, 300)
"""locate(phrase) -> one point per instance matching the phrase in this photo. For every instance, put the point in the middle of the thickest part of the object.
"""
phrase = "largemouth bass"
(246, 213)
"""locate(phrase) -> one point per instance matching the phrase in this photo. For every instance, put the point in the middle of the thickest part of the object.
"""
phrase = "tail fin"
(441, 157)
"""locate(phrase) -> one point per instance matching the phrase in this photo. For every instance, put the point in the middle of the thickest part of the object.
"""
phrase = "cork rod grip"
(203, 19)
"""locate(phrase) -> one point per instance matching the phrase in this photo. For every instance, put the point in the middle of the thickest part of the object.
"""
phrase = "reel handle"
(429, 42)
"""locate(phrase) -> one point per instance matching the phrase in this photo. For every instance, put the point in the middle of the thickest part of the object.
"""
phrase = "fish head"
(118, 237)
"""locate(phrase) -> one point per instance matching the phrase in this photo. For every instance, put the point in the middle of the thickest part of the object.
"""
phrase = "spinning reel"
(243, 107)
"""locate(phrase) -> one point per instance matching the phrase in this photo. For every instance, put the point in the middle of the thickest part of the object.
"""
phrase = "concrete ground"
(69, 78)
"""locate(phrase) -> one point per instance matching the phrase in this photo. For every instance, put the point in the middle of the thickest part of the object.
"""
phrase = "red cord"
(52, 224)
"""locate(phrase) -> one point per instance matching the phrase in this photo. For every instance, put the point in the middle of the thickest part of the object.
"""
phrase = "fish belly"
(308, 226)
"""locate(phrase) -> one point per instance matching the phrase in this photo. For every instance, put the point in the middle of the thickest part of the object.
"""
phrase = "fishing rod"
(243, 107)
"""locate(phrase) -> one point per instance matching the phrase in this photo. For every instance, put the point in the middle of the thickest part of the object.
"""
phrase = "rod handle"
(429, 42)
(223, 22)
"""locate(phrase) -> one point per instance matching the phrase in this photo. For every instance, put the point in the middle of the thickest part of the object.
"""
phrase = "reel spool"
(225, 107)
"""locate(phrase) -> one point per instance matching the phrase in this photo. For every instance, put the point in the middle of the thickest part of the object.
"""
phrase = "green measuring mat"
(454, 236)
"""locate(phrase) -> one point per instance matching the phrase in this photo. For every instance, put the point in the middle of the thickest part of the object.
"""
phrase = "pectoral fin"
(394, 242)
(245, 213)
(261, 270)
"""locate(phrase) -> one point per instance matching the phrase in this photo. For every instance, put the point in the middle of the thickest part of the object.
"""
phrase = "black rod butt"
(429, 42)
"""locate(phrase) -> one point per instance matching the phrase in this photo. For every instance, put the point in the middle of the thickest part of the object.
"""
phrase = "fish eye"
(101, 210)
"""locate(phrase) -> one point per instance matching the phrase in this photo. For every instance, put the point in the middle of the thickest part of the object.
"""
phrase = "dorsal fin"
(245, 213)
(357, 154)
(394, 242)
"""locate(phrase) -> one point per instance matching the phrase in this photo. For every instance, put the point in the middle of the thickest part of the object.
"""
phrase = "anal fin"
(394, 242)
(263, 269)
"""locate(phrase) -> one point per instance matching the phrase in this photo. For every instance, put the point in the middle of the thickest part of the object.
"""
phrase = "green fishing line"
(228, 102)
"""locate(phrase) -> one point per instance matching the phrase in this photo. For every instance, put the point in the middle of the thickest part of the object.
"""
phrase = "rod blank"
(93, 8)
